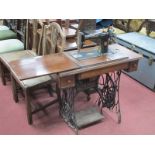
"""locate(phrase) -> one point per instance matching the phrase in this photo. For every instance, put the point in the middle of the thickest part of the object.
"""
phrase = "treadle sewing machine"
(107, 86)
(103, 39)
(88, 70)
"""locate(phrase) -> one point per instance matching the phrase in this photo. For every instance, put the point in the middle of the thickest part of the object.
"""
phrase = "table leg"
(67, 107)
(2, 73)
(14, 89)
(108, 91)
(28, 104)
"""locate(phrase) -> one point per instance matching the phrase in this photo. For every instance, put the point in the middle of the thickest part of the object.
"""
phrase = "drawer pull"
(69, 81)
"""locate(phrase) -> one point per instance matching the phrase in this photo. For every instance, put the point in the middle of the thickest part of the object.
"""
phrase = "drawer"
(66, 82)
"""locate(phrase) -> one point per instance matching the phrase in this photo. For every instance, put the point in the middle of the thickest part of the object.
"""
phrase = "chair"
(11, 45)
(3, 28)
(17, 26)
(30, 85)
(53, 40)
(10, 52)
(6, 33)
(8, 46)
(8, 41)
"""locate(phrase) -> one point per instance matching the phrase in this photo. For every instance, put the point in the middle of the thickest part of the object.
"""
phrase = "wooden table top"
(41, 65)
(65, 64)
(8, 57)
(119, 55)
(115, 52)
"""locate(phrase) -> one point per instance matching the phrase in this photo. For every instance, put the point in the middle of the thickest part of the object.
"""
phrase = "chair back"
(53, 40)
(32, 40)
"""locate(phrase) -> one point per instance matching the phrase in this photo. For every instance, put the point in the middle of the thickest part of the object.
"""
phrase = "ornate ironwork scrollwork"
(108, 90)
(67, 106)
(107, 87)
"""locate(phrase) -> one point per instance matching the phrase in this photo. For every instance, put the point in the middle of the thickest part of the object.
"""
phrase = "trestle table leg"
(108, 91)
(67, 107)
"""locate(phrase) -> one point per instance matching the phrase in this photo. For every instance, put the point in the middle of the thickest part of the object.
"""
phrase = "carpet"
(137, 108)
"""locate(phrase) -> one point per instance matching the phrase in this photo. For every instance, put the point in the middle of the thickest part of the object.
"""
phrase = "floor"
(137, 108)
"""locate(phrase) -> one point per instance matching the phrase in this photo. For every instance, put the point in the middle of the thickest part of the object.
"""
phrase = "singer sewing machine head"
(102, 38)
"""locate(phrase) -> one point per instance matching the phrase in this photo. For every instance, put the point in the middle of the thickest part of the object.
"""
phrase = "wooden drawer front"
(101, 71)
(66, 82)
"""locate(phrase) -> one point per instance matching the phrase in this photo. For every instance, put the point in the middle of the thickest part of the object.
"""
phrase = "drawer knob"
(69, 81)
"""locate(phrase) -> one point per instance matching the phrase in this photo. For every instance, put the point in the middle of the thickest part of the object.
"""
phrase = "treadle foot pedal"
(88, 116)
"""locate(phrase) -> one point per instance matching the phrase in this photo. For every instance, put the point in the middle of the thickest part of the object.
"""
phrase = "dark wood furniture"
(72, 75)
(8, 57)
(54, 63)
(150, 26)
(100, 75)
(44, 65)
(26, 87)
(19, 27)
(31, 84)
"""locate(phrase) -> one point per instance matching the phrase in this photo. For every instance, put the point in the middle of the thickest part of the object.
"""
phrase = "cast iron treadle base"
(88, 116)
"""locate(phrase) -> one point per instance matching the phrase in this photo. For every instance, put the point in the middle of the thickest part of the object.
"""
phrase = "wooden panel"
(104, 62)
(66, 65)
(96, 72)
(66, 82)
(7, 57)
(41, 65)
(88, 116)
